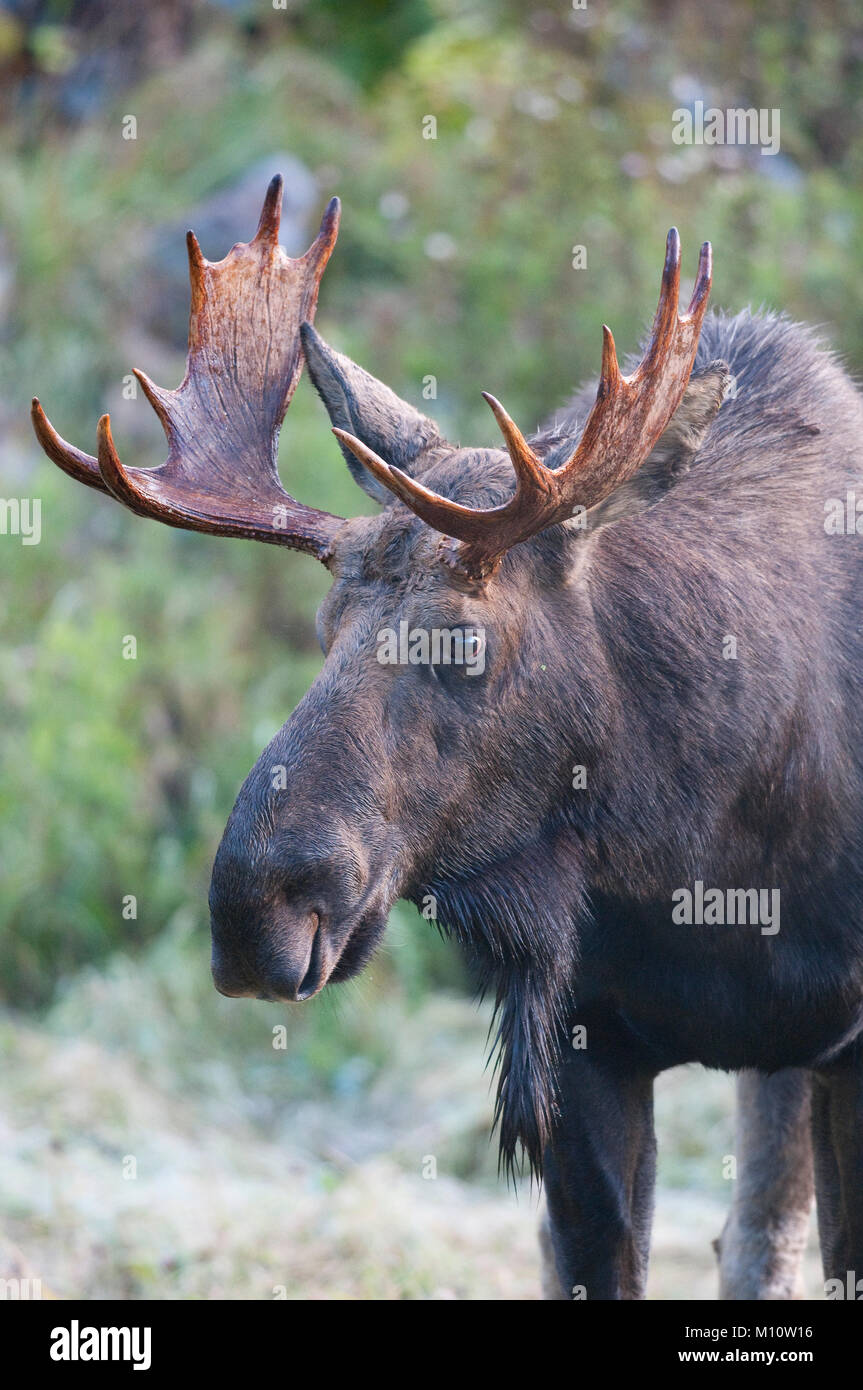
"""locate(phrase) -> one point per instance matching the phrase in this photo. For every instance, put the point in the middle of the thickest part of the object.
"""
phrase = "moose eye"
(463, 657)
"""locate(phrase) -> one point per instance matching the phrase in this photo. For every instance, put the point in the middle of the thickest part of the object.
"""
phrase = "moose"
(663, 608)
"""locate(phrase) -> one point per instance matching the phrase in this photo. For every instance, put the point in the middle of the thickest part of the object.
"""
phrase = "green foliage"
(366, 38)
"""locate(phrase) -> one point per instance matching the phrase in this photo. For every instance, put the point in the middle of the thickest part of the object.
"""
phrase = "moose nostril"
(312, 980)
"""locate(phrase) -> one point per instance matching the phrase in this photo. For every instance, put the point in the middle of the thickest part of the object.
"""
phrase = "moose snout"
(280, 922)
(299, 892)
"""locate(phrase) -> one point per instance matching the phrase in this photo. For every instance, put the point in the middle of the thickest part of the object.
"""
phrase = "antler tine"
(609, 375)
(529, 469)
(83, 467)
(322, 246)
(155, 395)
(704, 279)
(114, 476)
(197, 273)
(451, 518)
(439, 512)
(665, 318)
(271, 213)
(628, 416)
(222, 422)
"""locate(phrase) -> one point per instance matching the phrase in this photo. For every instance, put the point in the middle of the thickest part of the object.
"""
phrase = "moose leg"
(837, 1139)
(599, 1173)
(552, 1289)
(762, 1243)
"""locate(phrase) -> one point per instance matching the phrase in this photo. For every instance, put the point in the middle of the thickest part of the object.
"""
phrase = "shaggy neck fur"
(523, 949)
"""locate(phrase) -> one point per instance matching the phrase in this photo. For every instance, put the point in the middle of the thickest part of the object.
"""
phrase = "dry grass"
(240, 1194)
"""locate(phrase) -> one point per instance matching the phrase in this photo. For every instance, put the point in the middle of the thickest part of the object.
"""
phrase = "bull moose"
(664, 733)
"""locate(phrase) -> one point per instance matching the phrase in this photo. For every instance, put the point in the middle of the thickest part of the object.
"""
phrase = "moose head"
(427, 777)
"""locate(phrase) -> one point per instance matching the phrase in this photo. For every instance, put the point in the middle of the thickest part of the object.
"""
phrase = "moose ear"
(357, 402)
(674, 451)
(684, 434)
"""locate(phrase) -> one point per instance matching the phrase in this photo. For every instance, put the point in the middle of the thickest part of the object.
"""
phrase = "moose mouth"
(360, 946)
(333, 957)
(325, 968)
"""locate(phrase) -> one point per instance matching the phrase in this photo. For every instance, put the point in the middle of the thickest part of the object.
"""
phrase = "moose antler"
(628, 416)
(222, 423)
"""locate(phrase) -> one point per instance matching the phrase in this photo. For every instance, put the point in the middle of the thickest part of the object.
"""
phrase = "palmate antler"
(628, 416)
(223, 422)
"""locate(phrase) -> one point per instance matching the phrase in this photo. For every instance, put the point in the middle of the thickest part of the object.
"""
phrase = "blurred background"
(157, 1141)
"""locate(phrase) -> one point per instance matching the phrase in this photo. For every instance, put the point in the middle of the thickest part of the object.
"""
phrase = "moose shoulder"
(639, 813)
